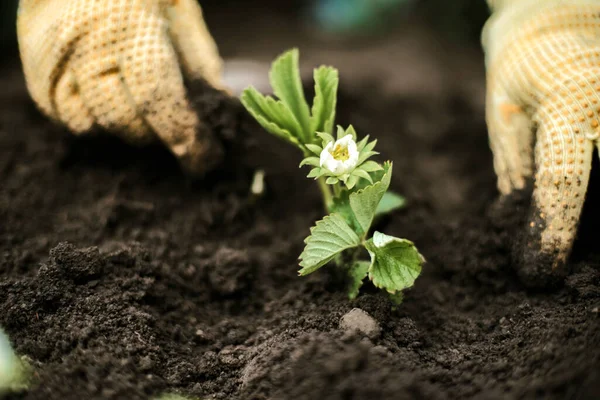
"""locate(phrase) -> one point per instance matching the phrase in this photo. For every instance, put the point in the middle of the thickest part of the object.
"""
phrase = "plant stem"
(337, 190)
(326, 192)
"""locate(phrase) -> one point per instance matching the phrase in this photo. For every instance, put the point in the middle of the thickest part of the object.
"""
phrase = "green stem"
(337, 190)
(326, 192)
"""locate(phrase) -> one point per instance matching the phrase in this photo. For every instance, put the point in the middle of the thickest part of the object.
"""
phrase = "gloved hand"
(116, 64)
(543, 77)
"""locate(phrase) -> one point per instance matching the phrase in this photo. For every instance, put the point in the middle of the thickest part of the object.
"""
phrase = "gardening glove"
(116, 64)
(543, 83)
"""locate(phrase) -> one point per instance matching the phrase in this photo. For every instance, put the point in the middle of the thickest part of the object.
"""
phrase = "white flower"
(340, 157)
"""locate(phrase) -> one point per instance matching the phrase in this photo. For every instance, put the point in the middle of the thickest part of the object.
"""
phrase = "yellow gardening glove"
(118, 64)
(543, 115)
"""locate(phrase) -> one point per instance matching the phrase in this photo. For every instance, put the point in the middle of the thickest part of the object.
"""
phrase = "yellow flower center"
(340, 153)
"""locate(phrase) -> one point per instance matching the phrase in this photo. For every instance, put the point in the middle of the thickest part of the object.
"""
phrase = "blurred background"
(252, 29)
(460, 18)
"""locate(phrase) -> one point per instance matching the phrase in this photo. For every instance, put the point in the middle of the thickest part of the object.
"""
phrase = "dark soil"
(121, 279)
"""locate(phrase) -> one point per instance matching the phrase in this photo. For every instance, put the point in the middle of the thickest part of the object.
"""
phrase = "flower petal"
(335, 166)
(325, 155)
(345, 141)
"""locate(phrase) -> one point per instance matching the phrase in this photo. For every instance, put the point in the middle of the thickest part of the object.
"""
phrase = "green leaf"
(314, 161)
(287, 85)
(329, 237)
(341, 205)
(272, 115)
(365, 201)
(324, 103)
(389, 202)
(315, 173)
(332, 180)
(395, 263)
(358, 272)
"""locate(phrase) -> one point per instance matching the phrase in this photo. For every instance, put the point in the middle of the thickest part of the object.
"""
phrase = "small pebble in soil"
(358, 321)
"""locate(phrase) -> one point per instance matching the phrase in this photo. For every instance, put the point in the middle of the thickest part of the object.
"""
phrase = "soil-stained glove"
(116, 64)
(543, 116)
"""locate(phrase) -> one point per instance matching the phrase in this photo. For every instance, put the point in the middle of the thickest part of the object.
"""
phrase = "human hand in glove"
(543, 115)
(119, 65)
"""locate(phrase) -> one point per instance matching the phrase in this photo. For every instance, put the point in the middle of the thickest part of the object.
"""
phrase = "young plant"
(354, 188)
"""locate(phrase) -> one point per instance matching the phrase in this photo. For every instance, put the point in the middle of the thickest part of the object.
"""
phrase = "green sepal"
(325, 137)
(351, 181)
(314, 148)
(362, 174)
(351, 131)
(314, 161)
(364, 155)
(315, 173)
(371, 166)
(341, 132)
(361, 145)
(370, 146)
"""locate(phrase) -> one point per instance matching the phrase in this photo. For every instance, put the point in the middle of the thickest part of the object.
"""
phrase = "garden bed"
(121, 279)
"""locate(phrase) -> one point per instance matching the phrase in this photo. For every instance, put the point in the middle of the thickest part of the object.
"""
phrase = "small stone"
(357, 320)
